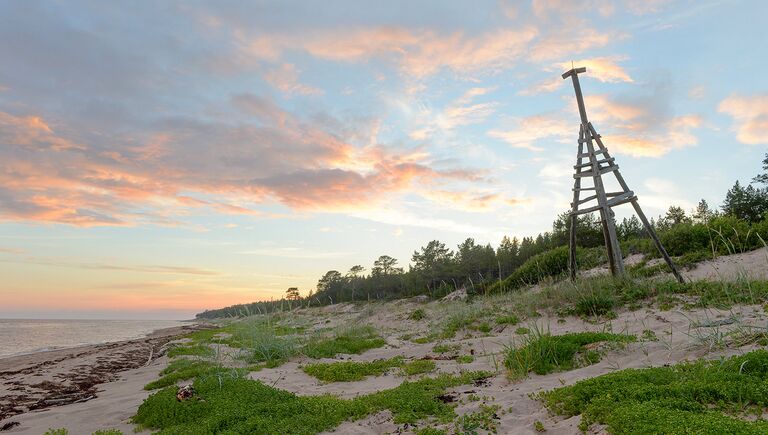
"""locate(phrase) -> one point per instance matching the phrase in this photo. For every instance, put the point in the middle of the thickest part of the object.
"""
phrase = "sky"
(161, 158)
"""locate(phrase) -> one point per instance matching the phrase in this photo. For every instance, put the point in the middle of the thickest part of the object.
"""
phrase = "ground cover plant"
(348, 340)
(202, 350)
(699, 397)
(346, 371)
(240, 405)
(542, 353)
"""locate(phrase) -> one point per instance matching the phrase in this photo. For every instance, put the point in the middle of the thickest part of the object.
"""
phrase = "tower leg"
(656, 240)
(572, 245)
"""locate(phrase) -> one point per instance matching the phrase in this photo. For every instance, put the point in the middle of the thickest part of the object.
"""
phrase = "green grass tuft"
(544, 353)
(352, 340)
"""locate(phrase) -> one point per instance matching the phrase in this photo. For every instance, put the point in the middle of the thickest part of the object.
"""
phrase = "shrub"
(551, 263)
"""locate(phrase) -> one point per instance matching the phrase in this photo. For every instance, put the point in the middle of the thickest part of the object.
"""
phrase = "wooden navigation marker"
(592, 163)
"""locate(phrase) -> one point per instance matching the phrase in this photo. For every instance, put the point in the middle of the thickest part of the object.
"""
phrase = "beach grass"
(543, 353)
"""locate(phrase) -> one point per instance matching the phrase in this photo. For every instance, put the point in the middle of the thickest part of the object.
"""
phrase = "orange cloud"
(419, 54)
(286, 78)
(604, 69)
(750, 117)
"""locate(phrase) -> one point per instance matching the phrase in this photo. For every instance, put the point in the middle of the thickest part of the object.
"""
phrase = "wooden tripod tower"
(598, 162)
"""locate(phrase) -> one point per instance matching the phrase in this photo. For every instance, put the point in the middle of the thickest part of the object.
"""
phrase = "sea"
(21, 336)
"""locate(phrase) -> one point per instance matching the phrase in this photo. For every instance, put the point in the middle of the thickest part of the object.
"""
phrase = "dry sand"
(680, 335)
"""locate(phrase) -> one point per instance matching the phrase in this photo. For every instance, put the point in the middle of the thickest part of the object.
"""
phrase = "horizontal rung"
(602, 171)
(613, 202)
(587, 199)
(593, 137)
(600, 151)
(583, 165)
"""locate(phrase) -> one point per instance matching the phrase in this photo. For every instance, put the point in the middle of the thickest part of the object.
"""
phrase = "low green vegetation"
(509, 319)
(346, 371)
(543, 353)
(192, 350)
(350, 340)
(239, 405)
(418, 367)
(465, 359)
(63, 431)
(486, 419)
(704, 397)
(184, 369)
(418, 314)
(551, 263)
(446, 348)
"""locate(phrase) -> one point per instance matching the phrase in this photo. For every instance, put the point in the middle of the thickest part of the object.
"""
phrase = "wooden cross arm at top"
(574, 71)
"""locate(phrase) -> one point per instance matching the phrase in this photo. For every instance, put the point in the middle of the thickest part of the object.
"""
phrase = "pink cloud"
(750, 117)
(235, 166)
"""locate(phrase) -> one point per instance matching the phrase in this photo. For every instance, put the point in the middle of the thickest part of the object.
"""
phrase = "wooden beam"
(651, 232)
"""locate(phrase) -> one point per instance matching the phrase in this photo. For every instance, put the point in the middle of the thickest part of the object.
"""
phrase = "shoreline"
(39, 381)
(77, 346)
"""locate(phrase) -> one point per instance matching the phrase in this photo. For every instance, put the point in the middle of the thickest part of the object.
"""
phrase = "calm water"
(28, 336)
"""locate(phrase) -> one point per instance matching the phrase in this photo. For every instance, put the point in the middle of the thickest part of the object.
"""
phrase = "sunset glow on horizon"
(162, 158)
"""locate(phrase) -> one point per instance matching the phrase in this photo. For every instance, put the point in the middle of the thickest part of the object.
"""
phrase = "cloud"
(461, 111)
(604, 69)
(418, 53)
(641, 128)
(286, 78)
(227, 166)
(531, 129)
(565, 43)
(750, 117)
(161, 269)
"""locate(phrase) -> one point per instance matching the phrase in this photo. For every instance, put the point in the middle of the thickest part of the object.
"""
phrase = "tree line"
(436, 269)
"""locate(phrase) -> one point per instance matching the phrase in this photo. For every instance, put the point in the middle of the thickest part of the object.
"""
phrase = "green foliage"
(699, 397)
(430, 431)
(522, 330)
(418, 367)
(484, 328)
(263, 345)
(183, 369)
(346, 371)
(465, 359)
(544, 353)
(445, 348)
(418, 314)
(108, 432)
(594, 304)
(510, 319)
(239, 405)
(351, 340)
(538, 426)
(551, 263)
(61, 431)
(192, 350)
(485, 418)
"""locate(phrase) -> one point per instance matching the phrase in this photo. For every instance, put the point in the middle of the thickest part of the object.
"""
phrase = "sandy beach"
(84, 388)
